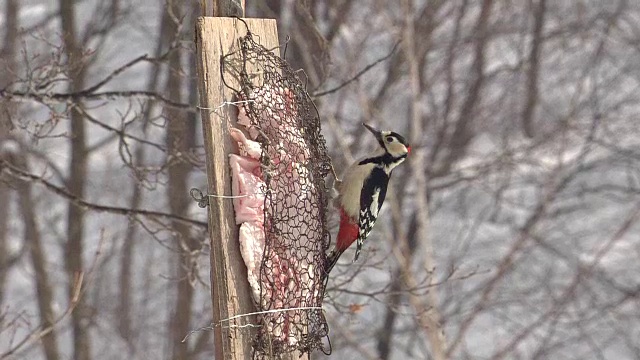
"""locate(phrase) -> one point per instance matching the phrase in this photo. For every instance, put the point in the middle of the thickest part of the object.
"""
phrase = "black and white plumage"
(372, 196)
(363, 190)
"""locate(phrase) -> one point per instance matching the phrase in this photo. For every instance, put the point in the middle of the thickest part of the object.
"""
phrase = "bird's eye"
(390, 139)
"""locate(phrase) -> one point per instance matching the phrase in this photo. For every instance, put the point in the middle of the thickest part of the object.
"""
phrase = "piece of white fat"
(252, 248)
(248, 188)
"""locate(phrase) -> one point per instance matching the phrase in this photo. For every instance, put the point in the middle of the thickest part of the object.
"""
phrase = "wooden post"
(230, 293)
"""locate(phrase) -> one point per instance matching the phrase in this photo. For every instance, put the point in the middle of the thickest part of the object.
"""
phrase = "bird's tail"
(332, 260)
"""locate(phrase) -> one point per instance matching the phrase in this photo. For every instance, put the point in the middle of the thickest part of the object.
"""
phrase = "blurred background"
(510, 233)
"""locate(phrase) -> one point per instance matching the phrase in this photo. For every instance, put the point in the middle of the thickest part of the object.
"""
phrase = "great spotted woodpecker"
(362, 192)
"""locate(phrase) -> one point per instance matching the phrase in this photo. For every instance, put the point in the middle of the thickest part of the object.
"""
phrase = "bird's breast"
(351, 187)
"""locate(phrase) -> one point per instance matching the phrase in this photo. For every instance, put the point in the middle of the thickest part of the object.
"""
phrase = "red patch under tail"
(348, 232)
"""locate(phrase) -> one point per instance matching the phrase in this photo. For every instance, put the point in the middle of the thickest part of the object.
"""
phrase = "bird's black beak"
(375, 133)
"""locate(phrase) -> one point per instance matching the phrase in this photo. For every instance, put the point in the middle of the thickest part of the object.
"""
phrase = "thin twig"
(116, 72)
(77, 292)
(360, 73)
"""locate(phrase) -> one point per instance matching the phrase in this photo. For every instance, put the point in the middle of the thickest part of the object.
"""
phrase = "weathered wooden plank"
(216, 37)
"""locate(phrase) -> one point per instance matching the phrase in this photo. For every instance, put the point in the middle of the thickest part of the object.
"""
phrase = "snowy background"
(511, 232)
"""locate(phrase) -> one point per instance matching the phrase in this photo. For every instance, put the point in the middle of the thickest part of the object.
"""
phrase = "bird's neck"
(384, 160)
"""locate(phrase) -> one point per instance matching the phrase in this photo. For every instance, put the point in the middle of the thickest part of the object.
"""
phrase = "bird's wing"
(372, 196)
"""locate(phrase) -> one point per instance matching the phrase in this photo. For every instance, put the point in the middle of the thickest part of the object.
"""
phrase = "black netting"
(294, 163)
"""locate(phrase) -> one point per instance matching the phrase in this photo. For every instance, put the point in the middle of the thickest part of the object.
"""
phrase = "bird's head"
(391, 142)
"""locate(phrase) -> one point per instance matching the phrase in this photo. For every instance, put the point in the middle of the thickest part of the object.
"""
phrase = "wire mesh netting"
(289, 280)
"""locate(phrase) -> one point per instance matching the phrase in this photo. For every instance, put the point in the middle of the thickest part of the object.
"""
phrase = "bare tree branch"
(5, 165)
(85, 96)
(357, 75)
(534, 65)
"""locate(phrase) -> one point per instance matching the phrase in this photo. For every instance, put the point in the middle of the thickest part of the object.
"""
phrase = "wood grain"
(216, 37)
